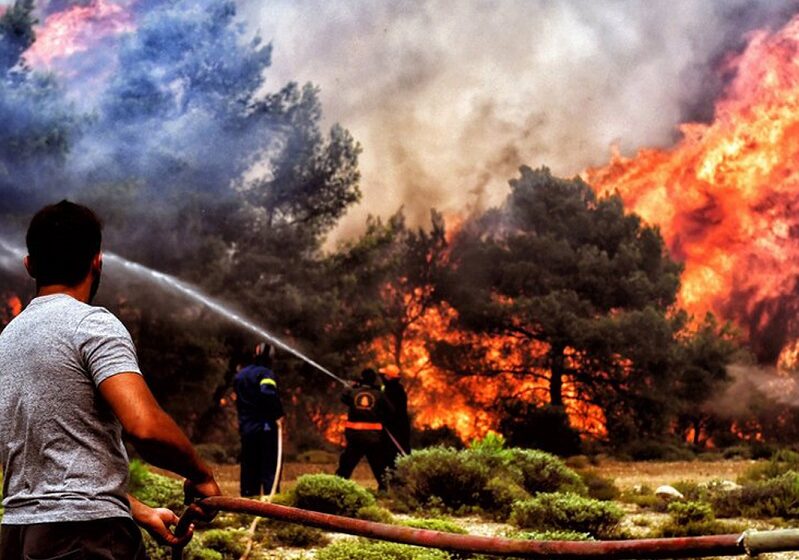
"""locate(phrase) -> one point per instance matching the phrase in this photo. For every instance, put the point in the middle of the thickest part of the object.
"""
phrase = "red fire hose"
(750, 543)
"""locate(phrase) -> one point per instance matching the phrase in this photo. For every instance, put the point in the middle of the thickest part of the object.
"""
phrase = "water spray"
(190, 292)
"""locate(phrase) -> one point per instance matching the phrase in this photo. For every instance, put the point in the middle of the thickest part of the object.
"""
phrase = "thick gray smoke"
(449, 98)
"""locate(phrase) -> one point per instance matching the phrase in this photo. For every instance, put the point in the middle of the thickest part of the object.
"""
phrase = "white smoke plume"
(449, 98)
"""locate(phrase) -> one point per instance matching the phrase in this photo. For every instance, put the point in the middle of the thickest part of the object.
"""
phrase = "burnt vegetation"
(559, 298)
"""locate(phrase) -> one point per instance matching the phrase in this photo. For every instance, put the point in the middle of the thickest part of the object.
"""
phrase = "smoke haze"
(448, 99)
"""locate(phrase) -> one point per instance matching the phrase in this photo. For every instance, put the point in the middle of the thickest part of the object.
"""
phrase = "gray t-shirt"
(60, 443)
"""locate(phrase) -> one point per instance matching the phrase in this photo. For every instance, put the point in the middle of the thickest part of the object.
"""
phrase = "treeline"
(235, 189)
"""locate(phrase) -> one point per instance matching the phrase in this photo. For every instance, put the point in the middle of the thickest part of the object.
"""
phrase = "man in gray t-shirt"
(70, 385)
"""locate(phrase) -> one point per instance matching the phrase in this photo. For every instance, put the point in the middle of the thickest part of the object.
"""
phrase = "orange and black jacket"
(368, 408)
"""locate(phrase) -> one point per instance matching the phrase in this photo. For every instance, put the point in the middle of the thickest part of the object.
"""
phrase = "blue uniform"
(259, 408)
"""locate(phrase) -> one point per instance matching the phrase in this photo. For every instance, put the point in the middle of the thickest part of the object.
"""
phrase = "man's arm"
(155, 434)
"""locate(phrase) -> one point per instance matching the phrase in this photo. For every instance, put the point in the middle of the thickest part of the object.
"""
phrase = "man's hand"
(193, 491)
(157, 522)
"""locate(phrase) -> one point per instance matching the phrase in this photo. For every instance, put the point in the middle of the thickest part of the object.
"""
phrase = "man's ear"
(29, 267)
(97, 261)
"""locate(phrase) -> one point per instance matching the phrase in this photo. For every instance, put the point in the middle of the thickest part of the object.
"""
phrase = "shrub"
(545, 427)
(330, 494)
(441, 477)
(155, 490)
(543, 472)
(230, 543)
(194, 550)
(569, 512)
(599, 487)
(775, 497)
(443, 436)
(317, 457)
(298, 536)
(690, 519)
(435, 524)
(780, 463)
(375, 513)
(499, 495)
(362, 549)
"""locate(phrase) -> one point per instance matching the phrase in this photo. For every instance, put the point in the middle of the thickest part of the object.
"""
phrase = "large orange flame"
(726, 195)
(472, 404)
(76, 29)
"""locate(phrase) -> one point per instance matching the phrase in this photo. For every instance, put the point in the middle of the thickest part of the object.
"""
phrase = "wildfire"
(725, 196)
(77, 29)
(472, 404)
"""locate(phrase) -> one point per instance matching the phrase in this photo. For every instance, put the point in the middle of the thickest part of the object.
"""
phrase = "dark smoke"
(449, 99)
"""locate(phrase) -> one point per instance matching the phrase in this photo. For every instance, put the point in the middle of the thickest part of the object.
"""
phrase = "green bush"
(643, 496)
(435, 524)
(656, 450)
(375, 513)
(690, 519)
(569, 512)
(775, 497)
(297, 536)
(330, 494)
(362, 549)
(499, 495)
(544, 472)
(194, 551)
(599, 487)
(439, 477)
(155, 490)
(230, 543)
(780, 463)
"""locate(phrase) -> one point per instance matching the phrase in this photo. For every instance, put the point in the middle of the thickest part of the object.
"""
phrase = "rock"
(668, 493)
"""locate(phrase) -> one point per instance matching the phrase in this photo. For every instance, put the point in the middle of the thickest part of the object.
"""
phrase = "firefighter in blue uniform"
(368, 410)
(260, 411)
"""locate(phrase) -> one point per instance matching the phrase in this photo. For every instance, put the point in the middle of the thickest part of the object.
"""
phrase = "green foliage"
(569, 512)
(330, 494)
(599, 487)
(499, 495)
(780, 463)
(230, 543)
(194, 551)
(371, 550)
(643, 496)
(298, 536)
(690, 519)
(435, 524)
(773, 497)
(543, 472)
(656, 450)
(155, 490)
(439, 476)
(375, 513)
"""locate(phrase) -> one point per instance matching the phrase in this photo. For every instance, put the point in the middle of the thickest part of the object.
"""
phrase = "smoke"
(750, 383)
(449, 99)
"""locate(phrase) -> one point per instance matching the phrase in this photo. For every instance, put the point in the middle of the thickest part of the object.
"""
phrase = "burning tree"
(561, 269)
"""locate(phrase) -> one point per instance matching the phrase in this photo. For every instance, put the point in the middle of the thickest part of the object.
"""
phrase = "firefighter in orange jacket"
(368, 410)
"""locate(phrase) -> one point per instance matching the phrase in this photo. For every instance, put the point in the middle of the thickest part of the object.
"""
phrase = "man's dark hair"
(62, 240)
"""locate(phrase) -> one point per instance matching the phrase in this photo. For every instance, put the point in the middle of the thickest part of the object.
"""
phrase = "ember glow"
(472, 404)
(76, 30)
(726, 196)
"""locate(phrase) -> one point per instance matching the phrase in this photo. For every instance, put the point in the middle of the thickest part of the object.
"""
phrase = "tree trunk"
(557, 367)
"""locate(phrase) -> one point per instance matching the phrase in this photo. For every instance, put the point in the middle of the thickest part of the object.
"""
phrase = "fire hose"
(749, 543)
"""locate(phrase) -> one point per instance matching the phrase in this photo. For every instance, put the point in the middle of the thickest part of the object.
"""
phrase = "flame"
(725, 196)
(76, 30)
(14, 305)
(471, 404)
